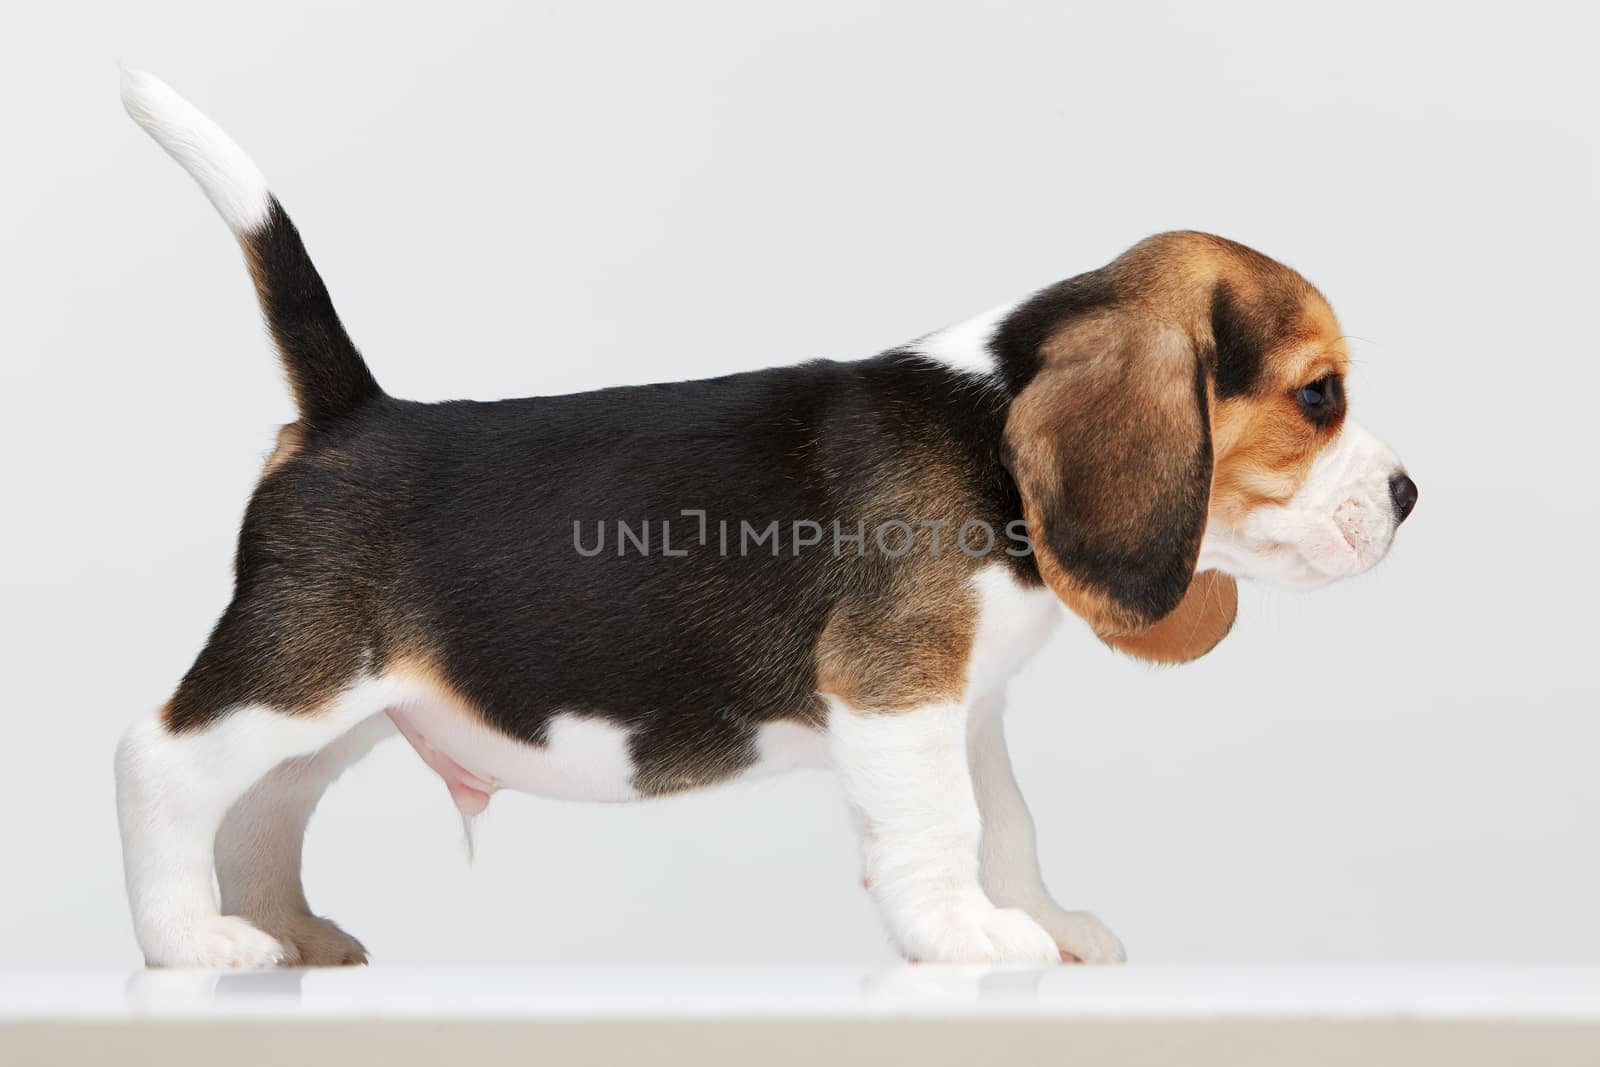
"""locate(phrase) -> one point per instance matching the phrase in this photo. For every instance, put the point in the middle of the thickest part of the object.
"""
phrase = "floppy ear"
(1110, 445)
(1200, 621)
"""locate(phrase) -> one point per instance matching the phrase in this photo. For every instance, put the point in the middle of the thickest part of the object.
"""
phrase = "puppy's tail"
(326, 372)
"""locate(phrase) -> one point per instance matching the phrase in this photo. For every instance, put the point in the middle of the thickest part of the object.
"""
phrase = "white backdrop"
(536, 198)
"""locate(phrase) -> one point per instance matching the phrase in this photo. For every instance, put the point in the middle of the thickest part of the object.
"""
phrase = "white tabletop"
(1139, 1014)
(1128, 992)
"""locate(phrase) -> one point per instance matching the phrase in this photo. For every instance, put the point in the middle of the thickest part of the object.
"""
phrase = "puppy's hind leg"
(181, 769)
(259, 849)
(174, 786)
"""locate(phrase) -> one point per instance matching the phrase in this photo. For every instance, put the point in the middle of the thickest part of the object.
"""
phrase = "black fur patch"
(1243, 333)
(450, 527)
(326, 372)
(1239, 343)
(1018, 341)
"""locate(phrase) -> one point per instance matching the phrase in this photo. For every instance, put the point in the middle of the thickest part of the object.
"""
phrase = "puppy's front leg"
(1009, 854)
(906, 772)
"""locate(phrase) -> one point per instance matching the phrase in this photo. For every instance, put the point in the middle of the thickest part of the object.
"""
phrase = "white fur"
(258, 848)
(1009, 858)
(228, 177)
(173, 793)
(583, 758)
(930, 790)
(966, 345)
(237, 794)
(906, 773)
(1014, 621)
(785, 745)
(1341, 521)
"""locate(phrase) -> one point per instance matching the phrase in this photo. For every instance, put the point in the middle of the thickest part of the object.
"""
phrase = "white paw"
(218, 943)
(317, 942)
(1083, 938)
(978, 932)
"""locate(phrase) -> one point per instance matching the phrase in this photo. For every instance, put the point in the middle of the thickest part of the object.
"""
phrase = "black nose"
(1403, 491)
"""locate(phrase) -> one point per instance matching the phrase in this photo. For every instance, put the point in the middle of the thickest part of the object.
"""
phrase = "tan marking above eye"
(1316, 355)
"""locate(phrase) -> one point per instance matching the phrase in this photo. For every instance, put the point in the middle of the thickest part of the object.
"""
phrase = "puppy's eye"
(1322, 401)
(1317, 393)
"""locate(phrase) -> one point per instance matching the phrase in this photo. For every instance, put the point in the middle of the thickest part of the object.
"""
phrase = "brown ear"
(1197, 625)
(1110, 445)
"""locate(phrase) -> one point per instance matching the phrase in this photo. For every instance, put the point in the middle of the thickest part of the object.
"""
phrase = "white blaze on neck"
(1014, 621)
(966, 345)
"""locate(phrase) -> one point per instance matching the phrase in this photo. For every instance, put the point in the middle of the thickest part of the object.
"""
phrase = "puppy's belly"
(583, 757)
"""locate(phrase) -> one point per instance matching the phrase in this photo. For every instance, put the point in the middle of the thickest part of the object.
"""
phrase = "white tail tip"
(226, 175)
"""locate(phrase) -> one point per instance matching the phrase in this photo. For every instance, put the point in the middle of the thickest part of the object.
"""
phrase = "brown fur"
(1103, 437)
(1264, 446)
(1121, 447)
(1196, 626)
(291, 438)
(419, 669)
(1104, 440)
(904, 636)
(902, 650)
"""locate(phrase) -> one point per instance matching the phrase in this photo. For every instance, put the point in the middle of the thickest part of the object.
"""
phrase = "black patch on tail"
(326, 372)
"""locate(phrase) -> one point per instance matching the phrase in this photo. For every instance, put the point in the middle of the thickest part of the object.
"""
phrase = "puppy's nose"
(1403, 491)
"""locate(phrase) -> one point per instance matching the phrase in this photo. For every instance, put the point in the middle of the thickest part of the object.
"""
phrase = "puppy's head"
(1181, 420)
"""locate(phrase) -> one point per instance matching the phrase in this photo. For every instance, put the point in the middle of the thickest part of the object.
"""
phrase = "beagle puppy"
(635, 591)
